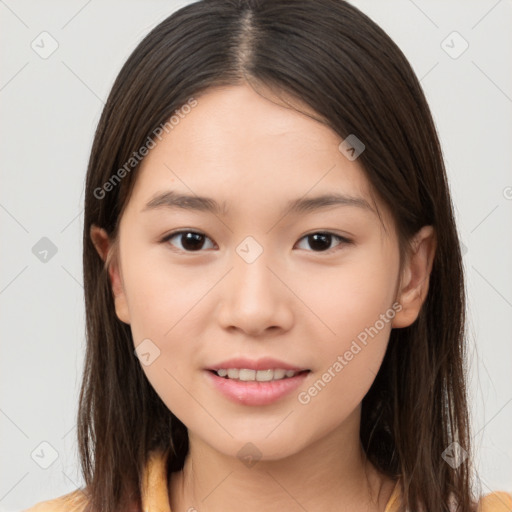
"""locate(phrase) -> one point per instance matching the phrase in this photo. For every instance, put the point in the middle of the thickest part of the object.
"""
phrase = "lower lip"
(253, 392)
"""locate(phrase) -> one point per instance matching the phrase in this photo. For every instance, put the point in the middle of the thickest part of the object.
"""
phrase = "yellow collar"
(155, 492)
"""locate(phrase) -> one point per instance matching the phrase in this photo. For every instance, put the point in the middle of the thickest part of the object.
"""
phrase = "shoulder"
(497, 501)
(72, 502)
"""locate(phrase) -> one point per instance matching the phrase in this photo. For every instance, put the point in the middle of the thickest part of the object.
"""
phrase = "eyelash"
(341, 239)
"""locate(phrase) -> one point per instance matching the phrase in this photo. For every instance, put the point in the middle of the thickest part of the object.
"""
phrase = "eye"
(321, 241)
(191, 241)
(194, 241)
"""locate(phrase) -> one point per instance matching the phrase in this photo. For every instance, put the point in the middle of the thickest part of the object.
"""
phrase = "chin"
(250, 450)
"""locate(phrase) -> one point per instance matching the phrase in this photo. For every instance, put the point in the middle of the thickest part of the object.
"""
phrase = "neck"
(331, 473)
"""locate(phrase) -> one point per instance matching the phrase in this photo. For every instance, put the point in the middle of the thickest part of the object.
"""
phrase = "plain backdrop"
(49, 108)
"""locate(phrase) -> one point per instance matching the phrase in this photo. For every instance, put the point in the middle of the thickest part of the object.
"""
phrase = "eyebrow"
(172, 199)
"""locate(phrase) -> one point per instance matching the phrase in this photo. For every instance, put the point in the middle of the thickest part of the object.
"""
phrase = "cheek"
(355, 301)
(165, 320)
(160, 294)
(165, 323)
(351, 296)
(337, 391)
(361, 316)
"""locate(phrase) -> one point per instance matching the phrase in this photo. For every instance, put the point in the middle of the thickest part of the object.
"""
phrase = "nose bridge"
(252, 279)
(253, 298)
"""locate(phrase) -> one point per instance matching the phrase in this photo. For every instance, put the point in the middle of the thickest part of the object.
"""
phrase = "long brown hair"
(334, 59)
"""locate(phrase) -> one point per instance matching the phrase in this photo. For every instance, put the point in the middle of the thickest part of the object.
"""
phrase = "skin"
(295, 302)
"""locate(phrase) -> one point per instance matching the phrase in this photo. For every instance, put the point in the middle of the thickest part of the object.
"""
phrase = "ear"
(105, 248)
(415, 277)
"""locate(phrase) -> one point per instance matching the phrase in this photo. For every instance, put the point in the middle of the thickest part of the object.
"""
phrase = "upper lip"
(264, 363)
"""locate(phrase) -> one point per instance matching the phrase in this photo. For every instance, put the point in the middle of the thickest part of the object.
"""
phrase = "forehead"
(239, 119)
(239, 145)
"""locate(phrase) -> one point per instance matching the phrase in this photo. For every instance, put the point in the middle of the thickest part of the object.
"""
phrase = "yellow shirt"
(155, 494)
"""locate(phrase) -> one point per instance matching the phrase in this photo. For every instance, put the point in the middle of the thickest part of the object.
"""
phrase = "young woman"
(273, 279)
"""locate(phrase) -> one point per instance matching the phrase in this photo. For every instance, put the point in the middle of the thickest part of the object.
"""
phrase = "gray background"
(49, 108)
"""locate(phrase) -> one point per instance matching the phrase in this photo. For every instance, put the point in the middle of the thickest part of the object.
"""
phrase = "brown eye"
(321, 241)
(190, 241)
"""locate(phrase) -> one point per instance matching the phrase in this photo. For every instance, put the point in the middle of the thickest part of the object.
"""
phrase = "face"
(313, 287)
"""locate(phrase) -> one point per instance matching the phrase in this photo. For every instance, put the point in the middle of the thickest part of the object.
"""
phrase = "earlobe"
(415, 277)
(105, 248)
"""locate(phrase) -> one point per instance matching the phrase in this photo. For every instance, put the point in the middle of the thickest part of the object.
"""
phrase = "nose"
(254, 298)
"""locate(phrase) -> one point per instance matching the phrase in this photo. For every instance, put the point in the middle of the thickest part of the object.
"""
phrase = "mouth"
(245, 386)
(250, 375)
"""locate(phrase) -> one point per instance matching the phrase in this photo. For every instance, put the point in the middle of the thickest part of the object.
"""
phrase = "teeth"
(233, 373)
(245, 374)
(279, 374)
(265, 375)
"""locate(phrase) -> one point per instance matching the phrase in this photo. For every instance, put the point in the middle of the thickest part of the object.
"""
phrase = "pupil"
(320, 241)
(192, 241)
